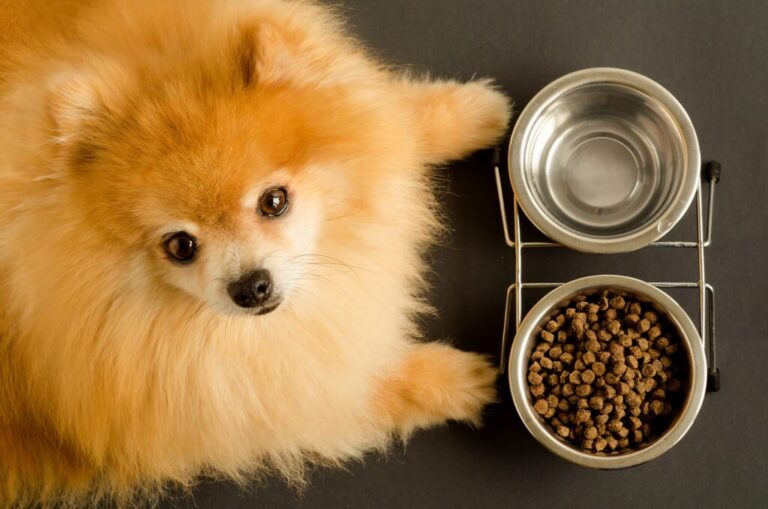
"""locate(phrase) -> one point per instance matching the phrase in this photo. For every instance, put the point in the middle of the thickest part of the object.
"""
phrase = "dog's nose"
(251, 290)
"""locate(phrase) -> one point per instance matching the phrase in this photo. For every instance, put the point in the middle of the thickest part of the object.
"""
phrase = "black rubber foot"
(713, 380)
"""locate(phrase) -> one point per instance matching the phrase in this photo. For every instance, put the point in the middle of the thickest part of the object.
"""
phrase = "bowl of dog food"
(607, 372)
(604, 160)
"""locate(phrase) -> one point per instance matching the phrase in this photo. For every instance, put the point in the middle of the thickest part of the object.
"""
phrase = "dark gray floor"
(714, 57)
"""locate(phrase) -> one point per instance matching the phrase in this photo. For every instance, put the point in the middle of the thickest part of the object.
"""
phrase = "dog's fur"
(121, 372)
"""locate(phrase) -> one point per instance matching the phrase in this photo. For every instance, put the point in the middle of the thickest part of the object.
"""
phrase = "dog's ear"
(454, 119)
(72, 103)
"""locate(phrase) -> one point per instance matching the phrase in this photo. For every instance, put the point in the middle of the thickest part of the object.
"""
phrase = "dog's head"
(217, 166)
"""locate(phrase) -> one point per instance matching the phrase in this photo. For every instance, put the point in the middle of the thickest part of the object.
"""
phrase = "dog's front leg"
(454, 119)
(435, 383)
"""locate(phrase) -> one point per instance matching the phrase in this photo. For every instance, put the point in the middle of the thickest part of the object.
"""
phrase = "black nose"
(251, 290)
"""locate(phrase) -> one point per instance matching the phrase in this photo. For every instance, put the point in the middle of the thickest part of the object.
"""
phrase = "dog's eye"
(274, 202)
(181, 247)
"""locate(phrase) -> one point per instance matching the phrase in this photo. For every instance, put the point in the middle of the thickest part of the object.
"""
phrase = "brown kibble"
(588, 358)
(579, 365)
(537, 355)
(604, 335)
(602, 419)
(637, 436)
(587, 444)
(651, 316)
(560, 319)
(567, 389)
(547, 336)
(541, 406)
(578, 327)
(563, 377)
(546, 363)
(562, 336)
(614, 327)
(575, 377)
(607, 408)
(537, 390)
(593, 346)
(592, 318)
(563, 431)
(633, 399)
(604, 357)
(662, 343)
(582, 305)
(543, 347)
(632, 361)
(570, 313)
(635, 308)
(566, 358)
(611, 314)
(596, 402)
(582, 403)
(642, 343)
(635, 422)
(599, 368)
(590, 433)
(657, 407)
(671, 349)
(563, 405)
(625, 340)
(624, 443)
(649, 370)
(615, 425)
(552, 379)
(612, 442)
(600, 444)
(552, 400)
(552, 326)
(603, 303)
(558, 367)
(617, 302)
(609, 391)
(658, 365)
(555, 352)
(619, 368)
(611, 378)
(654, 332)
(534, 378)
(550, 413)
(593, 308)
(632, 319)
(583, 390)
(590, 335)
(588, 376)
(582, 416)
(615, 348)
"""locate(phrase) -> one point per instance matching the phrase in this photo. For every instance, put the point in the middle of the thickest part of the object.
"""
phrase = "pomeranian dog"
(212, 220)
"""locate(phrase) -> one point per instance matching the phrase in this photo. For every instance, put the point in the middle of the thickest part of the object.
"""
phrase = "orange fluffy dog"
(211, 221)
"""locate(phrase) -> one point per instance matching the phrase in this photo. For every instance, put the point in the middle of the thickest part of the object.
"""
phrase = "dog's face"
(222, 188)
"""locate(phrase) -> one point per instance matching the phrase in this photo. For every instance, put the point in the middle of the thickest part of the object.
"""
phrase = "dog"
(212, 221)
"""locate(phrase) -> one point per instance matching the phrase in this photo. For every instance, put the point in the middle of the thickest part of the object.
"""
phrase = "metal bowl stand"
(514, 299)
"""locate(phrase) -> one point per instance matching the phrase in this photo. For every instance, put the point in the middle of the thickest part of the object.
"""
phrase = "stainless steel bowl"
(604, 160)
(525, 341)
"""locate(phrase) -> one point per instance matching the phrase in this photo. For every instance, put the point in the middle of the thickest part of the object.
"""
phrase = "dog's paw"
(488, 112)
(438, 383)
(454, 119)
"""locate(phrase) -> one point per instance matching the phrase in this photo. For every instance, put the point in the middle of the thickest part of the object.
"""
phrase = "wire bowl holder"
(706, 292)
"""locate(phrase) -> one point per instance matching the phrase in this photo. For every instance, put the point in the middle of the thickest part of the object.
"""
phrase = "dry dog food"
(607, 373)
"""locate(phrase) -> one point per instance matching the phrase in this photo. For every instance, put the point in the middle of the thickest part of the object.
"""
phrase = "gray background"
(713, 56)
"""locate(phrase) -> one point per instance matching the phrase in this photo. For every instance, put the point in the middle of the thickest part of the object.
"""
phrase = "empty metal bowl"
(525, 341)
(604, 160)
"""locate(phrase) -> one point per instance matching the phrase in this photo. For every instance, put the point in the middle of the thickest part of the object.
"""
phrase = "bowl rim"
(625, 243)
(519, 356)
